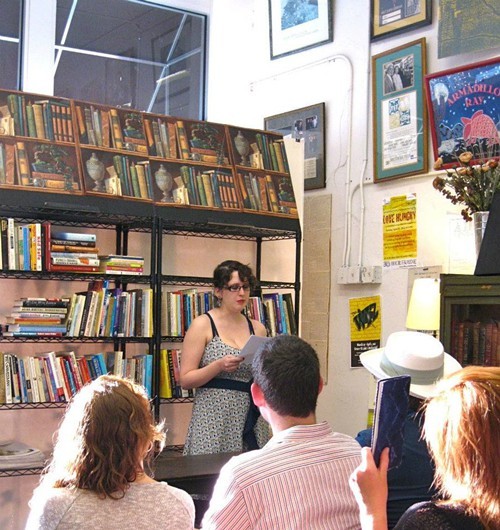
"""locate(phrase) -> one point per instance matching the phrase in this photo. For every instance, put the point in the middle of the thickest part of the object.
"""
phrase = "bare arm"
(195, 340)
(369, 485)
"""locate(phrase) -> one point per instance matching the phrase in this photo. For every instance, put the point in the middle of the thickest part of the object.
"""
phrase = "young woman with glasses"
(223, 418)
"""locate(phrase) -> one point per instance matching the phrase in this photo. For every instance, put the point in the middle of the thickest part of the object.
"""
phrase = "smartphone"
(391, 408)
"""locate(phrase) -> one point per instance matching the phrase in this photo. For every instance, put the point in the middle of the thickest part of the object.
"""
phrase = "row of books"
(181, 307)
(268, 193)
(110, 128)
(170, 386)
(269, 154)
(214, 188)
(56, 376)
(97, 312)
(45, 119)
(129, 177)
(37, 247)
(161, 136)
(476, 342)
(275, 311)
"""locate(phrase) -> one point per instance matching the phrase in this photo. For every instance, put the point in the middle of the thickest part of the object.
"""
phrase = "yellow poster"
(366, 326)
(400, 231)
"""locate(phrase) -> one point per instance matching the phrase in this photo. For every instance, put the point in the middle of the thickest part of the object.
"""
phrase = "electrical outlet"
(354, 275)
(342, 275)
(371, 274)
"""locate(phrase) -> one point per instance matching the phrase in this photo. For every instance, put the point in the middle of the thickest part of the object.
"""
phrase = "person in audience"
(461, 428)
(223, 420)
(97, 478)
(299, 479)
(407, 352)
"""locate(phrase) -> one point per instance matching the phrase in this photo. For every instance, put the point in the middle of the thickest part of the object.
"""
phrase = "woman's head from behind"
(104, 437)
(462, 429)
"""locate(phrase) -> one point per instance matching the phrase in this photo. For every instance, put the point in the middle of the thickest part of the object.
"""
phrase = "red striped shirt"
(299, 480)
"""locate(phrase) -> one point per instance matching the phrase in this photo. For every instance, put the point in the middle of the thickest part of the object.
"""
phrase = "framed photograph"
(463, 108)
(399, 114)
(307, 124)
(392, 17)
(296, 25)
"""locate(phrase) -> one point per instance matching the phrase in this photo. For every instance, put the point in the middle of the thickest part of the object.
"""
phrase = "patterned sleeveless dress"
(219, 414)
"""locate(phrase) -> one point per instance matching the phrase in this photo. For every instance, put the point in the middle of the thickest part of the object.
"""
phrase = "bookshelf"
(178, 162)
(470, 313)
(75, 147)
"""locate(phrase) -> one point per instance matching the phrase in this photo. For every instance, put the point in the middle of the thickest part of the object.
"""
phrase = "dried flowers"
(470, 185)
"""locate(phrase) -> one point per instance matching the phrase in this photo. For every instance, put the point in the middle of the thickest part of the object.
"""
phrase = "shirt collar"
(300, 433)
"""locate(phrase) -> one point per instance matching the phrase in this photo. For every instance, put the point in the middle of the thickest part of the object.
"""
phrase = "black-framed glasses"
(237, 287)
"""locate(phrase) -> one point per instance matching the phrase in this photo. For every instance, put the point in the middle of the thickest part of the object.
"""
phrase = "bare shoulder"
(259, 328)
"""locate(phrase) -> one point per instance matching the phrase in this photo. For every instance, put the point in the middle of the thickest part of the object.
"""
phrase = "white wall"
(245, 86)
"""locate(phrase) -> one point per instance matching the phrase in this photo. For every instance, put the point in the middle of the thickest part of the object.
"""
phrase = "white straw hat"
(412, 353)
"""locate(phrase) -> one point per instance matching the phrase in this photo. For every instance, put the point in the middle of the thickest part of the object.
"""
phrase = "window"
(10, 48)
(132, 54)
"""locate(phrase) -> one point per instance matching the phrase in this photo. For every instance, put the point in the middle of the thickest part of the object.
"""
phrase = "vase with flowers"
(473, 186)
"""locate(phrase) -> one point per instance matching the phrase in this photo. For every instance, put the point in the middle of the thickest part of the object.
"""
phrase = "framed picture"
(307, 124)
(392, 17)
(296, 25)
(463, 111)
(399, 115)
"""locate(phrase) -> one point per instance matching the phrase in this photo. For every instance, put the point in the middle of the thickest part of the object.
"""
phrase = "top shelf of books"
(65, 146)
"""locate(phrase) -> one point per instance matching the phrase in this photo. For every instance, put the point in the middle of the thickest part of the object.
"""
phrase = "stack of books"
(17, 455)
(33, 317)
(117, 264)
(70, 251)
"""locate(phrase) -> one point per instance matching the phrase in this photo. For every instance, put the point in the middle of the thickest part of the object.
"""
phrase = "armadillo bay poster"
(464, 106)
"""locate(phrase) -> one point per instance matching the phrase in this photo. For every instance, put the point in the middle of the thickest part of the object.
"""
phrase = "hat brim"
(371, 361)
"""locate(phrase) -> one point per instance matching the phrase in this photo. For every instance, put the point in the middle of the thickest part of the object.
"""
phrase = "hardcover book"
(391, 408)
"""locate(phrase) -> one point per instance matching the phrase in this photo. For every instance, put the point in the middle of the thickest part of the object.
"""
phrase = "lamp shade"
(423, 310)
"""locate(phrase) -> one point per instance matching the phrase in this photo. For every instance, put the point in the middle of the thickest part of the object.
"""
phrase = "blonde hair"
(462, 430)
(106, 433)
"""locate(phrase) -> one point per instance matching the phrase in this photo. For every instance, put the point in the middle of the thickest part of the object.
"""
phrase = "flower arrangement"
(470, 185)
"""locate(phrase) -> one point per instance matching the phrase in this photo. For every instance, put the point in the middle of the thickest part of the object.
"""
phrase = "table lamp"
(423, 309)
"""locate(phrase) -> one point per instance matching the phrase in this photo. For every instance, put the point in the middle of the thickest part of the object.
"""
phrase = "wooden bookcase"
(470, 316)
(204, 150)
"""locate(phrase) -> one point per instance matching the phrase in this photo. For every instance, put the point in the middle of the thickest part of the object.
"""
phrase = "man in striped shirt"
(299, 479)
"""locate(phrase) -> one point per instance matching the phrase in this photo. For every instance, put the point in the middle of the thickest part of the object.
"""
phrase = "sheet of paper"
(251, 347)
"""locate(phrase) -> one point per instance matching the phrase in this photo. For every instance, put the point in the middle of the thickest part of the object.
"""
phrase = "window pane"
(10, 16)
(114, 52)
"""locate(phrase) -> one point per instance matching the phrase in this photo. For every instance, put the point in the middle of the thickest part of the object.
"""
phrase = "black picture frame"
(393, 17)
(292, 29)
(307, 124)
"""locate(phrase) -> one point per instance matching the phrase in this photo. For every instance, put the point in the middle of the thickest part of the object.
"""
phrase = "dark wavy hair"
(287, 370)
(106, 433)
(223, 272)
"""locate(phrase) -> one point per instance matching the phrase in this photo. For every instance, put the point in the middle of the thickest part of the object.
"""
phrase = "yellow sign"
(366, 326)
(400, 231)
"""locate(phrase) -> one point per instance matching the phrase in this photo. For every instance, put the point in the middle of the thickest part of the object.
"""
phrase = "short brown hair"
(107, 431)
(462, 430)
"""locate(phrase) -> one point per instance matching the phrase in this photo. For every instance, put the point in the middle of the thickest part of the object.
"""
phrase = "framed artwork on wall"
(463, 108)
(297, 25)
(392, 17)
(307, 124)
(399, 114)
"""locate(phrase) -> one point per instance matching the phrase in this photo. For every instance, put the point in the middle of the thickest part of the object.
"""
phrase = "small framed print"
(307, 124)
(399, 117)
(392, 17)
(297, 25)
